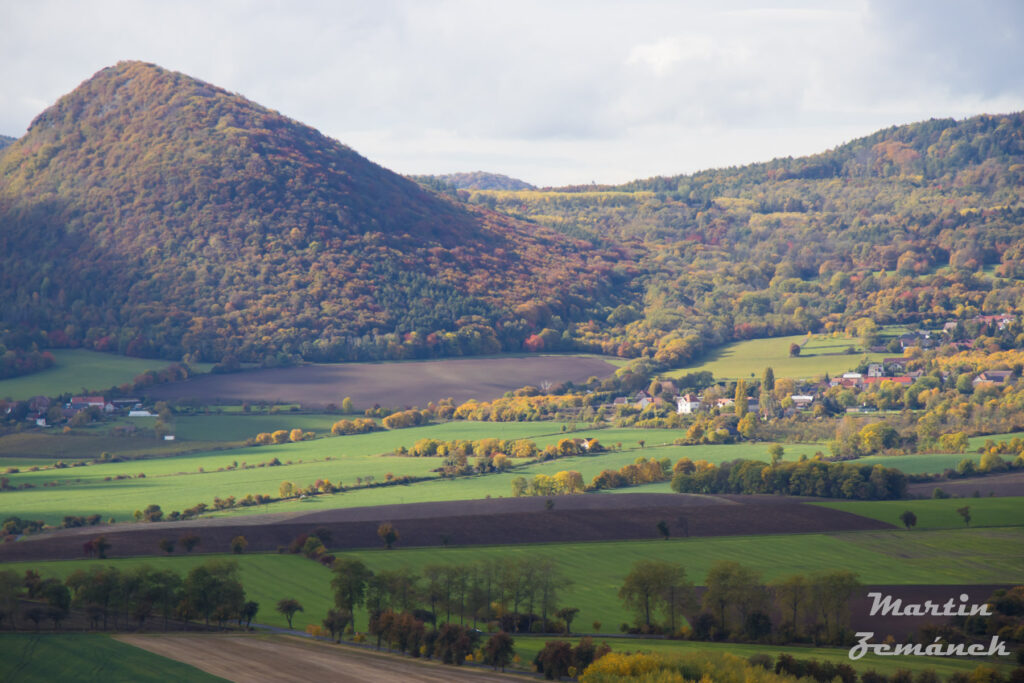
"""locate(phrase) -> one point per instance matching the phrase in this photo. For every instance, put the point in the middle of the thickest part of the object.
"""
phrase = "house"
(168, 437)
(997, 377)
(1000, 321)
(876, 370)
(644, 402)
(899, 362)
(687, 404)
(802, 401)
(620, 401)
(725, 402)
(140, 413)
(83, 402)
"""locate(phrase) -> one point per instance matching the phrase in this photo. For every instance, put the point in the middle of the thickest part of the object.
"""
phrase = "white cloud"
(552, 92)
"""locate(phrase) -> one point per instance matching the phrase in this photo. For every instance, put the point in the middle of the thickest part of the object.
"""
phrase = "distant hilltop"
(477, 180)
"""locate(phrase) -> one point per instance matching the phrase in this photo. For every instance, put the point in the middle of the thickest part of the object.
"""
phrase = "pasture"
(78, 369)
(88, 657)
(408, 383)
(939, 514)
(185, 480)
(961, 556)
(746, 359)
(920, 463)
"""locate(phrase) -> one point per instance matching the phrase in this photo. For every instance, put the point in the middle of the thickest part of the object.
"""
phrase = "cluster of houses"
(40, 408)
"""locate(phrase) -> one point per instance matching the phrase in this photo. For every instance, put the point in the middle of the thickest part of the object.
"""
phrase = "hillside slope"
(914, 224)
(153, 214)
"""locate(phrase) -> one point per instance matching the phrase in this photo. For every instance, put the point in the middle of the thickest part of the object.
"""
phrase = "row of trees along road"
(737, 604)
(521, 595)
(210, 591)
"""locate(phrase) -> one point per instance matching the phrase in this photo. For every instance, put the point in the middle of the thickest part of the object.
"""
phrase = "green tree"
(768, 380)
(349, 582)
(336, 621)
(288, 607)
(794, 350)
(567, 614)
(909, 519)
(239, 544)
(791, 596)
(499, 650)
(213, 588)
(733, 587)
(189, 542)
(965, 512)
(775, 452)
(741, 398)
(387, 533)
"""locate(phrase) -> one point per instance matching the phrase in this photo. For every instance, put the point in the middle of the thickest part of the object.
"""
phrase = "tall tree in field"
(349, 582)
(830, 596)
(768, 380)
(288, 607)
(731, 585)
(741, 398)
(909, 519)
(791, 595)
(654, 585)
(388, 533)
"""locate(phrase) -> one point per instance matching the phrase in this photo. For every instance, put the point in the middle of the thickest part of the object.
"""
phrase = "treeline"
(806, 477)
(520, 596)
(738, 605)
(109, 597)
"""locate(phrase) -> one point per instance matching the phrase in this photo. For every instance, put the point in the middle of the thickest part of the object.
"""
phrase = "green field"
(87, 657)
(940, 514)
(176, 483)
(78, 369)
(527, 648)
(747, 359)
(961, 556)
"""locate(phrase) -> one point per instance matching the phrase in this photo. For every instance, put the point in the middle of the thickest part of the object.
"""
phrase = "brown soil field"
(479, 522)
(1009, 484)
(413, 383)
(276, 659)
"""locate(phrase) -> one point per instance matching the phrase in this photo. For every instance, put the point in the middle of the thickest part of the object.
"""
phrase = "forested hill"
(150, 213)
(477, 180)
(914, 224)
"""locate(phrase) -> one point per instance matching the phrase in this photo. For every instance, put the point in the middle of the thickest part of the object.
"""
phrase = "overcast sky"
(550, 92)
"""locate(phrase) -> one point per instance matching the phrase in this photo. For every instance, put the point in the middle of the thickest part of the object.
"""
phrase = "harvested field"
(389, 384)
(480, 522)
(1009, 484)
(274, 659)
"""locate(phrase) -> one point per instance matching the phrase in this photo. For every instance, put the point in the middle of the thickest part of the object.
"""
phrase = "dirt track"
(389, 384)
(502, 520)
(275, 659)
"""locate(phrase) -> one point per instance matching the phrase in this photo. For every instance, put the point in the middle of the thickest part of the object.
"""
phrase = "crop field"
(940, 514)
(527, 648)
(747, 359)
(409, 383)
(78, 369)
(43, 448)
(88, 657)
(961, 556)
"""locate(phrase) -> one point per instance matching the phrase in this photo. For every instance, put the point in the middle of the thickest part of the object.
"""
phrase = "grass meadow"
(78, 369)
(88, 657)
(960, 556)
(745, 359)
(940, 514)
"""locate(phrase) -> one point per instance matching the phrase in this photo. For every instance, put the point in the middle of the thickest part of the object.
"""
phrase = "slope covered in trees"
(153, 214)
(477, 180)
(914, 224)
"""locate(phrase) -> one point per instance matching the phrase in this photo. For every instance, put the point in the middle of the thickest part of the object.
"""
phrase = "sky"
(553, 93)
